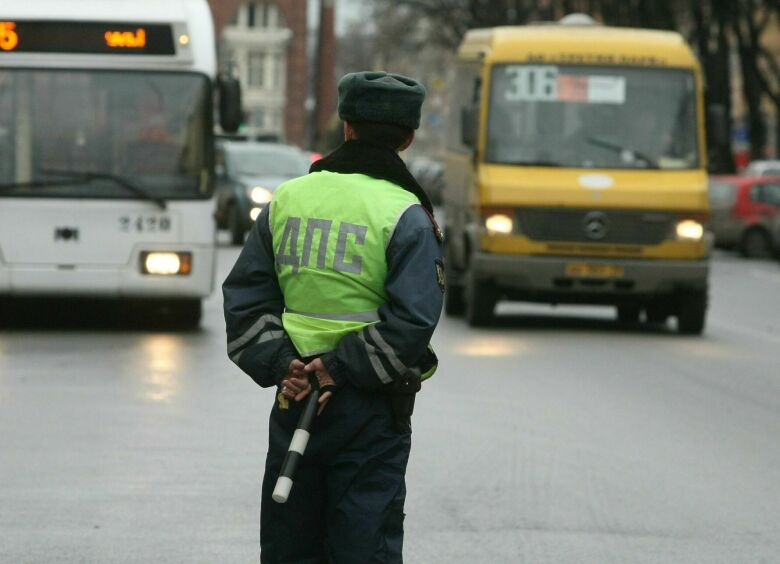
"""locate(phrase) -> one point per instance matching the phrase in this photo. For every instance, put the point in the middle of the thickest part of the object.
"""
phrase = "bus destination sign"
(95, 38)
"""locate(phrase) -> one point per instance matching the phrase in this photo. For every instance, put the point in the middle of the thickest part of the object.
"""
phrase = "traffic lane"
(548, 439)
(128, 446)
(746, 296)
(573, 439)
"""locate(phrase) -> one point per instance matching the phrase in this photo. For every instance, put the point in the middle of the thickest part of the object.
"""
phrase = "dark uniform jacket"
(254, 302)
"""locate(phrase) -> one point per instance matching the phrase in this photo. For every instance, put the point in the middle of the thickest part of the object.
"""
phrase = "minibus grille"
(621, 227)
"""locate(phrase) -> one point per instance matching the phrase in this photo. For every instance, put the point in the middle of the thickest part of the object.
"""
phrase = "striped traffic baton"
(297, 445)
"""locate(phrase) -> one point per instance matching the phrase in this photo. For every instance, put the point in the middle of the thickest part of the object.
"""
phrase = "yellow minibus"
(576, 173)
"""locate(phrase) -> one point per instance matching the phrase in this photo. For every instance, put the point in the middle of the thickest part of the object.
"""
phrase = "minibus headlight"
(689, 230)
(260, 195)
(166, 263)
(498, 224)
(254, 212)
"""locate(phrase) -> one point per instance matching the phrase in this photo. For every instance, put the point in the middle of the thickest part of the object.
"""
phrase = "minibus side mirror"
(230, 113)
(718, 125)
(469, 121)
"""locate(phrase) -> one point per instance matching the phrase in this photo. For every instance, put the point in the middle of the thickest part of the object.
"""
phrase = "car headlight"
(689, 230)
(499, 224)
(166, 263)
(260, 195)
(254, 213)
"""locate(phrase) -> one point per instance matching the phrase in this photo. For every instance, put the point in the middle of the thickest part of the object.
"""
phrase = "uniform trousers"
(346, 504)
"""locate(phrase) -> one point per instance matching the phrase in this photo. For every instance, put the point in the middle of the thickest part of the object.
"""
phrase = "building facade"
(263, 43)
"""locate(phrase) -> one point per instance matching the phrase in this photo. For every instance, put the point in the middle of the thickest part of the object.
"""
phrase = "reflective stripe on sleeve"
(375, 360)
(252, 331)
(387, 350)
(270, 336)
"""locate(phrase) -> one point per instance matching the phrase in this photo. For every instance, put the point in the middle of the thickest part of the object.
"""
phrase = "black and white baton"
(297, 445)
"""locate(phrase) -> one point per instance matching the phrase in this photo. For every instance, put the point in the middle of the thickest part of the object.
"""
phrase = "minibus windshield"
(592, 117)
(73, 133)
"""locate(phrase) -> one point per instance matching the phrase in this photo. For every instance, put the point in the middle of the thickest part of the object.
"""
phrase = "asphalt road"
(556, 437)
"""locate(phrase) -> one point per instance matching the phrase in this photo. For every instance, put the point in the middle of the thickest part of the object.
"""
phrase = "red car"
(743, 211)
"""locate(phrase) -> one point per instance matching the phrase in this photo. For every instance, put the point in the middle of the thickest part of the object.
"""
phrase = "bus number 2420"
(144, 224)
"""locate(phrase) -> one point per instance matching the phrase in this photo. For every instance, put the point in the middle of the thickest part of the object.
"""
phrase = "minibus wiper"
(91, 176)
(619, 148)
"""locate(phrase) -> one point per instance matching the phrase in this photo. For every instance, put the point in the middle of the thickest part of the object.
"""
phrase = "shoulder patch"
(440, 278)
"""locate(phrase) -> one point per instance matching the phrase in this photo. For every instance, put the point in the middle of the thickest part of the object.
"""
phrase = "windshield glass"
(150, 129)
(592, 117)
(266, 161)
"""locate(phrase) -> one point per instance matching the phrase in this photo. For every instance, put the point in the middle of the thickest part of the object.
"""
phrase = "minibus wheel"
(692, 312)
(481, 300)
(454, 301)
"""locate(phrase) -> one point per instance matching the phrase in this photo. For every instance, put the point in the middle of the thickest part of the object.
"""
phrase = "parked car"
(430, 175)
(762, 168)
(743, 213)
(247, 175)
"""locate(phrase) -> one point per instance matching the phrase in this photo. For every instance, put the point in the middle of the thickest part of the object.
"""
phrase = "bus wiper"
(620, 149)
(121, 181)
(37, 184)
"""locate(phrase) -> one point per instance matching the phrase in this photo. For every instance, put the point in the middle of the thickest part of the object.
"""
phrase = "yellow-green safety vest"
(330, 233)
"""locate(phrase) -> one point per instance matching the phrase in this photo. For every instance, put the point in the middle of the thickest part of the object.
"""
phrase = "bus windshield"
(592, 117)
(91, 134)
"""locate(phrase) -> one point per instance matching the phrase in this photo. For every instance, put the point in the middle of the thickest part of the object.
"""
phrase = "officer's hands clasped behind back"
(296, 384)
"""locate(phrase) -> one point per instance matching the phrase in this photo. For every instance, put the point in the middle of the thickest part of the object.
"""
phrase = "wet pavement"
(557, 436)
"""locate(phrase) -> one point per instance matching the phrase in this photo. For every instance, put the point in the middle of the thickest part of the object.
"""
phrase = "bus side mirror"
(230, 114)
(469, 122)
(718, 125)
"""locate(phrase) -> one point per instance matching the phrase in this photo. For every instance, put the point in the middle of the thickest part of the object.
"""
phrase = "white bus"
(107, 150)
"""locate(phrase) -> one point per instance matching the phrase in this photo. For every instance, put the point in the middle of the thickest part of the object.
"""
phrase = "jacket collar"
(360, 157)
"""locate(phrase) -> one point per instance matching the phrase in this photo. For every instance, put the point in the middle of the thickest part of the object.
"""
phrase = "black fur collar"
(359, 157)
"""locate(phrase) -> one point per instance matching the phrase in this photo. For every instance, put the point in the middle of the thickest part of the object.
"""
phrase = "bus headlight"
(260, 195)
(689, 230)
(166, 263)
(498, 224)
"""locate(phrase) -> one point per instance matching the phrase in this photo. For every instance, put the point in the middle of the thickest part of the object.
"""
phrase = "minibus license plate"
(588, 270)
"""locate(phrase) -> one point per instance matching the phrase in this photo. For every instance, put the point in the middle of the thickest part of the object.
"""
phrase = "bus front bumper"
(110, 281)
(578, 276)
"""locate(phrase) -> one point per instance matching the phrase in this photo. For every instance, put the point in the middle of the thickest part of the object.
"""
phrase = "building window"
(261, 15)
(250, 15)
(257, 120)
(256, 67)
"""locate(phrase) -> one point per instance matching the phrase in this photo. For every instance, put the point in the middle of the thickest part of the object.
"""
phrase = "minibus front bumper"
(580, 277)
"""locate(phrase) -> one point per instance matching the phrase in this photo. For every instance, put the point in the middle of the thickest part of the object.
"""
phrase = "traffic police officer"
(341, 278)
